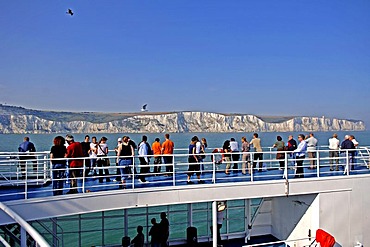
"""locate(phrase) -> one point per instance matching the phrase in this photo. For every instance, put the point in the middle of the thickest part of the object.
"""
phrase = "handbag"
(202, 155)
(106, 160)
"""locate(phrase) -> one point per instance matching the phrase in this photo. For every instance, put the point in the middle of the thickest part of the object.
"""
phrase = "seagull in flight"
(143, 109)
(69, 12)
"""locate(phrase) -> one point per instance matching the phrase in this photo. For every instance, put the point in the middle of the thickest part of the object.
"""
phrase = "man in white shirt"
(234, 147)
(144, 150)
(334, 153)
(311, 149)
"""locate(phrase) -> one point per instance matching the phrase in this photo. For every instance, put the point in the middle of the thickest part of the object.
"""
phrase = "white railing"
(25, 228)
(292, 242)
(30, 183)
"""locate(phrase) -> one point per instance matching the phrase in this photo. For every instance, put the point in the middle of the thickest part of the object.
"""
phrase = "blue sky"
(265, 57)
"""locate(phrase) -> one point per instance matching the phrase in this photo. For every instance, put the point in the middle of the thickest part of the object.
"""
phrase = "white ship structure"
(271, 202)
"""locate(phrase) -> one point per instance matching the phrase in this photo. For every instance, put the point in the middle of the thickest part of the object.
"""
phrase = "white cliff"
(171, 122)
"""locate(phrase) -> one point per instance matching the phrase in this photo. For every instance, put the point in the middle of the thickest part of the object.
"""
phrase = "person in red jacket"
(74, 150)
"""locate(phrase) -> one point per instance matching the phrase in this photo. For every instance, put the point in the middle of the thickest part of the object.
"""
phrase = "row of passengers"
(125, 153)
(231, 154)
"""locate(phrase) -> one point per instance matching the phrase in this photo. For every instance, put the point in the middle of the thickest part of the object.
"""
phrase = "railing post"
(133, 172)
(214, 168)
(252, 165)
(285, 165)
(45, 167)
(173, 171)
(26, 181)
(270, 150)
(317, 163)
(83, 175)
(346, 169)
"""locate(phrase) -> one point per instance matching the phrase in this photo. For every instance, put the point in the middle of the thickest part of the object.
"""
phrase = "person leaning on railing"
(125, 154)
(74, 150)
(300, 154)
(334, 152)
(57, 153)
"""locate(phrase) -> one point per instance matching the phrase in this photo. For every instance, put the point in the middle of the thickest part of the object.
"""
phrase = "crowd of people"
(94, 157)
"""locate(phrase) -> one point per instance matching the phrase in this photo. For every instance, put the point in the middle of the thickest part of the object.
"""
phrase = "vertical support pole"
(23, 237)
(55, 232)
(247, 216)
(190, 214)
(125, 222)
(214, 224)
(148, 223)
(80, 231)
(102, 228)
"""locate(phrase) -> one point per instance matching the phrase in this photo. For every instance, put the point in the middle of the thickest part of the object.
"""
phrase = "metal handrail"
(279, 242)
(26, 226)
(180, 164)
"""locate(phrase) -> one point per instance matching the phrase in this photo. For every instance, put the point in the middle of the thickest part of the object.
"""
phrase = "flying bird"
(69, 12)
(143, 109)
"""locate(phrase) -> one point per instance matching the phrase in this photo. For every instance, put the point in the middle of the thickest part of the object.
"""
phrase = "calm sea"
(43, 142)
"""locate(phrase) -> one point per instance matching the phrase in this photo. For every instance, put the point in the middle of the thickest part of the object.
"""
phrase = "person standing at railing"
(133, 144)
(118, 171)
(334, 152)
(74, 150)
(167, 152)
(203, 151)
(292, 145)
(311, 148)
(194, 161)
(355, 142)
(246, 156)
(300, 154)
(144, 150)
(347, 144)
(199, 149)
(93, 155)
(156, 148)
(85, 150)
(58, 151)
(102, 162)
(125, 154)
(258, 155)
(227, 156)
(26, 148)
(234, 147)
(280, 155)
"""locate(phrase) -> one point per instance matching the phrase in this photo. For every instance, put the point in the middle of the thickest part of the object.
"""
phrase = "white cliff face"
(175, 122)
